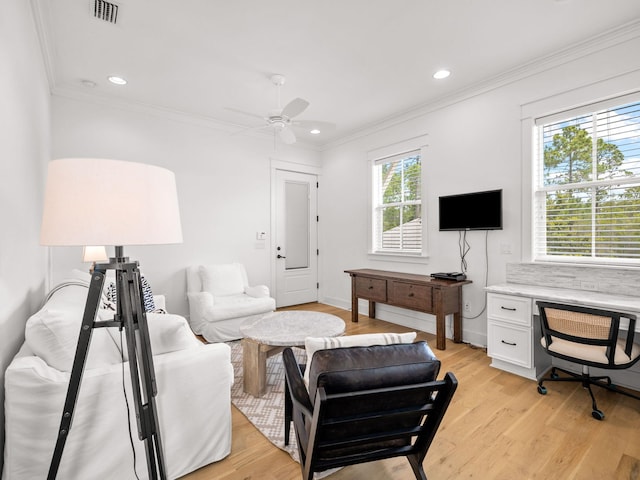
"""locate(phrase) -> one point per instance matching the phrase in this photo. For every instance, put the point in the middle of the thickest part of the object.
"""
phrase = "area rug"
(267, 412)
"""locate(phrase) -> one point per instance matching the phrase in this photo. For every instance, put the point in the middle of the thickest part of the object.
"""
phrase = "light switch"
(261, 235)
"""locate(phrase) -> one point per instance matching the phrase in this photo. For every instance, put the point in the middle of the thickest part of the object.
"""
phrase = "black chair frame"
(332, 433)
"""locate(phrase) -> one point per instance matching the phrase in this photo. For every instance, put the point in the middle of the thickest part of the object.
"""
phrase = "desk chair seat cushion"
(349, 369)
(595, 354)
(313, 344)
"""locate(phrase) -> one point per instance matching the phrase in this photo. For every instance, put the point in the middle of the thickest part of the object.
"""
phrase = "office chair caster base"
(597, 414)
(542, 390)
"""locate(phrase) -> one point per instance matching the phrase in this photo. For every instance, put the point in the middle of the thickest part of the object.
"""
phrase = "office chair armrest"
(297, 388)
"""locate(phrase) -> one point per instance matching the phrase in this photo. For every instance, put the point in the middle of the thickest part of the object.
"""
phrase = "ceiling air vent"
(106, 11)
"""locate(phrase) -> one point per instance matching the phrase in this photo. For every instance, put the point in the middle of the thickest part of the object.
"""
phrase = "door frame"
(276, 164)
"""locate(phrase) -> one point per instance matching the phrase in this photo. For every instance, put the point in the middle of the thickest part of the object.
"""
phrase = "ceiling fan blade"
(294, 107)
(287, 136)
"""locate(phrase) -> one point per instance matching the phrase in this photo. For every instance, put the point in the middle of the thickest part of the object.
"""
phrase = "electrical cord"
(464, 248)
(60, 286)
(486, 271)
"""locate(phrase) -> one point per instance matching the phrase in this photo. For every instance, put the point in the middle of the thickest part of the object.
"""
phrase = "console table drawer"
(417, 297)
(509, 343)
(372, 289)
(509, 308)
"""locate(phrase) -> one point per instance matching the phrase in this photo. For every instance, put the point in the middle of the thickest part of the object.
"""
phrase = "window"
(397, 203)
(587, 184)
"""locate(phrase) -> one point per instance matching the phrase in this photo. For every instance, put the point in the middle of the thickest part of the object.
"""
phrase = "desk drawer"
(509, 308)
(371, 289)
(416, 297)
(509, 343)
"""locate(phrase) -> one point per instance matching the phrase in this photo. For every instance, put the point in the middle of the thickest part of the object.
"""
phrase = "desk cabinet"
(512, 333)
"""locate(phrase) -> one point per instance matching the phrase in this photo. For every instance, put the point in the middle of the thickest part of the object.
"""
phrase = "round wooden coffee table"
(271, 333)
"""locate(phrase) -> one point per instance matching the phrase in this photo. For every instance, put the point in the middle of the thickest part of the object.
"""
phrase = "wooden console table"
(414, 292)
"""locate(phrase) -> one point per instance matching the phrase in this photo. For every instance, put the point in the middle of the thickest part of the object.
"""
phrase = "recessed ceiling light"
(88, 83)
(440, 74)
(315, 131)
(117, 80)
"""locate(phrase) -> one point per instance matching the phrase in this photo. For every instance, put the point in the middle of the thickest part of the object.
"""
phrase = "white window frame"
(539, 191)
(415, 144)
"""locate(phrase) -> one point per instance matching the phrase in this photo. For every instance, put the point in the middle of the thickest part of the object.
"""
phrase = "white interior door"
(296, 239)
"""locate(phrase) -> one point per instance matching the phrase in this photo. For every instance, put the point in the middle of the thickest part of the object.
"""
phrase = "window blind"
(587, 185)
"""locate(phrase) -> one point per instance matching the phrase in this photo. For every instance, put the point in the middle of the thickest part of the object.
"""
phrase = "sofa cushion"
(313, 344)
(167, 333)
(52, 334)
(223, 280)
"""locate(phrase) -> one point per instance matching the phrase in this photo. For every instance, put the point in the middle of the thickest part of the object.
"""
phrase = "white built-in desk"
(513, 328)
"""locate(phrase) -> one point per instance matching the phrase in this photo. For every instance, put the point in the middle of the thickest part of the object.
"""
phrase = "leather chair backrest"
(349, 369)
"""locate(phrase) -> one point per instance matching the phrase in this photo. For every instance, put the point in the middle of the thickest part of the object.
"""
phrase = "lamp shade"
(91, 201)
(94, 254)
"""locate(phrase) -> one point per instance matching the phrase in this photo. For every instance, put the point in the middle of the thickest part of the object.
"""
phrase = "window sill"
(398, 257)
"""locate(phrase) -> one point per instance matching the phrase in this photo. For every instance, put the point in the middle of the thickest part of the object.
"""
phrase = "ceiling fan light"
(314, 131)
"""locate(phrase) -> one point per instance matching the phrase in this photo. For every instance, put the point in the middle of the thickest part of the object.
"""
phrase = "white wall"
(223, 187)
(24, 149)
(474, 143)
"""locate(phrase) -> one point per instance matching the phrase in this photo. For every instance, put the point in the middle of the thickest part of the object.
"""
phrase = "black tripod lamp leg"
(82, 350)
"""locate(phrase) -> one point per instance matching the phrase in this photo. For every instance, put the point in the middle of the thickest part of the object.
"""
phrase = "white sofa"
(193, 402)
(220, 299)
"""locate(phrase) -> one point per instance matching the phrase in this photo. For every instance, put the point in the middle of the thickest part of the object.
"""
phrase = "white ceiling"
(358, 62)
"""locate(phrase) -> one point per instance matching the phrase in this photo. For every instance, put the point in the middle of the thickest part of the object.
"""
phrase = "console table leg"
(354, 301)
(441, 338)
(372, 309)
(457, 327)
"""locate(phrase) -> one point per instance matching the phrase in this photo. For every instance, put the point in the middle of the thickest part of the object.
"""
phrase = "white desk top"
(622, 303)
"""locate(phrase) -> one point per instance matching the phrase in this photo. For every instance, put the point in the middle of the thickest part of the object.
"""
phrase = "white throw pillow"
(258, 291)
(222, 280)
(313, 344)
(53, 336)
(167, 333)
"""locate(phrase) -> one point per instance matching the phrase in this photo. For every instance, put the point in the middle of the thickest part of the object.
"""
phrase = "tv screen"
(471, 211)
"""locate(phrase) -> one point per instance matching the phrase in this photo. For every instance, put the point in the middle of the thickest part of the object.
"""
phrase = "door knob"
(281, 256)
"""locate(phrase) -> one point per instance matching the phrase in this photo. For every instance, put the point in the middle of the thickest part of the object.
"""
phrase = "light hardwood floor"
(497, 427)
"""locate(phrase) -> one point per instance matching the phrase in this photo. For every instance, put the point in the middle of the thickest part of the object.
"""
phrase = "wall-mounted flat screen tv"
(471, 211)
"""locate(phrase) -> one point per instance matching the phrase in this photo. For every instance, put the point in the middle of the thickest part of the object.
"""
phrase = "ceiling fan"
(281, 119)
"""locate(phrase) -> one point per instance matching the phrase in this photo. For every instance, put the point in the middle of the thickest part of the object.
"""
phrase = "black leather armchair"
(365, 404)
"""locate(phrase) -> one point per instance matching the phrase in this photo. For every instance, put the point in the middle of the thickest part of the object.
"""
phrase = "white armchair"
(220, 299)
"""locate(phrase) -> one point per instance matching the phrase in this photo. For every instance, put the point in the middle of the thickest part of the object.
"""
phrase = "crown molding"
(42, 20)
(570, 53)
(168, 114)
(41, 13)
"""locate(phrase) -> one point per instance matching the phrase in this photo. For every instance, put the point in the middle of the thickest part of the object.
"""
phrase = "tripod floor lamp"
(92, 201)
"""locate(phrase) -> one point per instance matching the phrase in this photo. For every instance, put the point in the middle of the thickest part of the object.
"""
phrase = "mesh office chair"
(588, 337)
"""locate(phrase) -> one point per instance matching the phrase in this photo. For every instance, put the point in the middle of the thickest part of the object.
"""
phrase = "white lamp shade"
(90, 201)
(94, 254)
